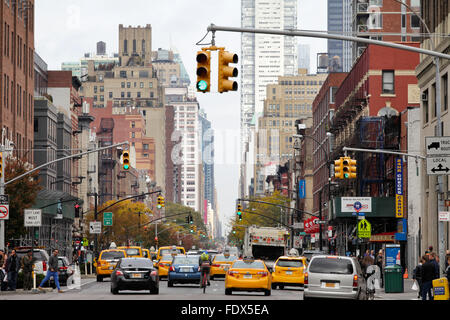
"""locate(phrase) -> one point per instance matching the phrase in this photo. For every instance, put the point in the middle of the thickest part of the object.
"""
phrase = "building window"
(425, 107)
(415, 22)
(133, 124)
(110, 94)
(445, 91)
(388, 81)
(128, 94)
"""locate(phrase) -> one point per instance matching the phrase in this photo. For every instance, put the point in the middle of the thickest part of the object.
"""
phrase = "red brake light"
(172, 269)
(44, 266)
(153, 273)
(119, 273)
(216, 265)
(263, 273)
(305, 278)
(63, 268)
(355, 280)
(233, 273)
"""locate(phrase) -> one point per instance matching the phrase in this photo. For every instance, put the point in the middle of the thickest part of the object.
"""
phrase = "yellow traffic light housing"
(225, 71)
(239, 212)
(203, 71)
(346, 167)
(126, 160)
(338, 168)
(353, 169)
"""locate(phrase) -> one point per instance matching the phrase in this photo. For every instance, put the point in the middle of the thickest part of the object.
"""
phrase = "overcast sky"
(65, 30)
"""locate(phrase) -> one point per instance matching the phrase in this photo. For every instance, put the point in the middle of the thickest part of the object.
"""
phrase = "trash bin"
(393, 279)
(440, 289)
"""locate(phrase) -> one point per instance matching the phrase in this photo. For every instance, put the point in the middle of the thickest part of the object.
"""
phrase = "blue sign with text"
(302, 189)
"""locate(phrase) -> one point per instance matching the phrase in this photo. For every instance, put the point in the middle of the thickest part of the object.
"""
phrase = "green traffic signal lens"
(202, 85)
(126, 166)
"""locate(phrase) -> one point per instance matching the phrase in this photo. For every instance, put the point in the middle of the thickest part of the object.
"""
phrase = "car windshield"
(331, 265)
(169, 251)
(240, 264)
(132, 252)
(221, 257)
(37, 255)
(290, 263)
(166, 257)
(136, 263)
(186, 260)
(111, 255)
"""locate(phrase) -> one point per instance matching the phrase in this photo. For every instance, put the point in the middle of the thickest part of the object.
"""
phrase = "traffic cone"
(405, 275)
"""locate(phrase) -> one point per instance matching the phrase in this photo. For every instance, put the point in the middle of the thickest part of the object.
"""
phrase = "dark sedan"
(135, 274)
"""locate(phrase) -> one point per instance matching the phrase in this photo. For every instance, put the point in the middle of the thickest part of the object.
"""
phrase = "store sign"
(356, 204)
(399, 210)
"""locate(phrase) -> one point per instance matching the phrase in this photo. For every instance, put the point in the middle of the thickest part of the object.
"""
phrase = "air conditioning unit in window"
(424, 96)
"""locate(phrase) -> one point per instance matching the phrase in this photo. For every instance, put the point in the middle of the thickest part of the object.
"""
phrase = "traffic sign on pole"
(107, 219)
(4, 212)
(95, 227)
(437, 145)
(438, 166)
(32, 217)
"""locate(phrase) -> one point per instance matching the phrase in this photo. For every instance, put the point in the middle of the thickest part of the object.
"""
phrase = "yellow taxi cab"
(107, 261)
(132, 251)
(169, 250)
(289, 271)
(220, 264)
(164, 264)
(248, 274)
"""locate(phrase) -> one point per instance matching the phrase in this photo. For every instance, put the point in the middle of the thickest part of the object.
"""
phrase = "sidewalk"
(407, 294)
(85, 279)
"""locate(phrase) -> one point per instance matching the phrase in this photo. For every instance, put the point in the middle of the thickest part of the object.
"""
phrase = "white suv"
(41, 259)
(338, 277)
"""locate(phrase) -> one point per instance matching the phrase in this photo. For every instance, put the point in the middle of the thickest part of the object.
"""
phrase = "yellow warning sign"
(364, 229)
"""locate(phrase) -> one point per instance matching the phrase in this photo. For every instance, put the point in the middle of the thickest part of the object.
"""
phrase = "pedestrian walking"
(379, 263)
(428, 275)
(447, 270)
(27, 269)
(52, 272)
(417, 275)
(435, 260)
(2, 271)
(12, 270)
(365, 262)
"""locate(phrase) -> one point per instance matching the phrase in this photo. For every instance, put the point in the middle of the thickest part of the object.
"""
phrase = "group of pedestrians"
(428, 270)
(11, 264)
(370, 258)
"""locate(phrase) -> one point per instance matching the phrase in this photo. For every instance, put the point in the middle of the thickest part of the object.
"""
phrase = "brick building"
(16, 75)
(369, 113)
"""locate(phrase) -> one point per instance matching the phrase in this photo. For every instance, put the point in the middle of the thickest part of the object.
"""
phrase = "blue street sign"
(302, 189)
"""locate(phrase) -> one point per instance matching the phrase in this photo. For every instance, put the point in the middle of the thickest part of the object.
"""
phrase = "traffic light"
(160, 202)
(346, 167)
(203, 71)
(225, 71)
(77, 210)
(338, 169)
(126, 160)
(352, 169)
(239, 212)
(1, 165)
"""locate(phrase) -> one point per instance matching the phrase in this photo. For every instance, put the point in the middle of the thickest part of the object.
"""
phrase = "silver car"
(337, 277)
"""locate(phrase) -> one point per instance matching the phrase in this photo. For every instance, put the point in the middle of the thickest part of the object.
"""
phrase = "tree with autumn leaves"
(22, 195)
(259, 214)
(129, 225)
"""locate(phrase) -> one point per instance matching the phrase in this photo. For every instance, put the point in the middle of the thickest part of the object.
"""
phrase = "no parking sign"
(4, 212)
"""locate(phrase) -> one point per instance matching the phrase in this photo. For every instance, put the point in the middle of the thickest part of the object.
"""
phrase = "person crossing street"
(52, 272)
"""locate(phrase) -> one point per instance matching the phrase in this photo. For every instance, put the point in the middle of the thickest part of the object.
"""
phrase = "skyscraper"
(304, 53)
(264, 59)
(339, 21)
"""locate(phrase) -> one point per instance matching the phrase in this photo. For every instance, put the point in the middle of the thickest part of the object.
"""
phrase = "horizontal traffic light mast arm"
(64, 158)
(299, 33)
(127, 198)
(278, 205)
(384, 151)
(261, 215)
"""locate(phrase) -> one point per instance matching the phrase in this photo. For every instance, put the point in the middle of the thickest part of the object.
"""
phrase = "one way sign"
(438, 165)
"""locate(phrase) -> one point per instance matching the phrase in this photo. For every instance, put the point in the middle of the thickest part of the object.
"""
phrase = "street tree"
(22, 195)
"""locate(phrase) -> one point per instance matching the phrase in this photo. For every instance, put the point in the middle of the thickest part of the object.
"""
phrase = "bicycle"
(204, 281)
